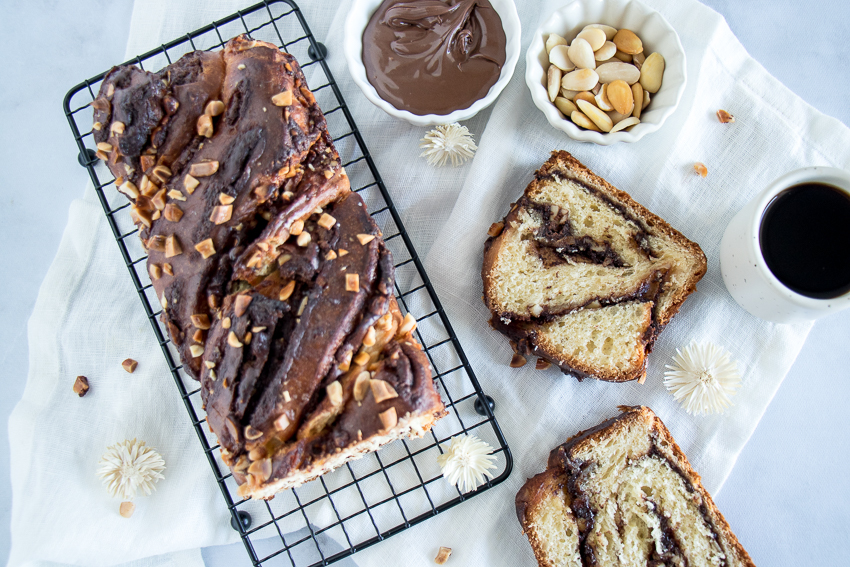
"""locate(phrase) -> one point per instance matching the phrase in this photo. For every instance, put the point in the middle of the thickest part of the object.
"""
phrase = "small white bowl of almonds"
(606, 71)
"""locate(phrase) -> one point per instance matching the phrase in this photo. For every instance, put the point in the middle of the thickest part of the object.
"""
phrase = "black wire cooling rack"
(383, 493)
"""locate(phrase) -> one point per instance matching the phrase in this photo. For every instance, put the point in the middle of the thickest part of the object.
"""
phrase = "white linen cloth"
(87, 318)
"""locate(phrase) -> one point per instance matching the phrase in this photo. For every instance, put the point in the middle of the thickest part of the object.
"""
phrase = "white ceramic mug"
(745, 272)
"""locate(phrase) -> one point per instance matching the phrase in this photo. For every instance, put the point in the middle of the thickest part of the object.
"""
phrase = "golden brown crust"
(534, 494)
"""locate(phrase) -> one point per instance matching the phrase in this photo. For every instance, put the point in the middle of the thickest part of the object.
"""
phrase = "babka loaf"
(275, 283)
(623, 493)
(581, 275)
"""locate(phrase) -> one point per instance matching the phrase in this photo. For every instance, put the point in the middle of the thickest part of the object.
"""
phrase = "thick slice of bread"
(580, 274)
(630, 494)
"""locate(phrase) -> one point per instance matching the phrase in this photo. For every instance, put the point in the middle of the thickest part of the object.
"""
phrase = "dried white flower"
(129, 466)
(448, 142)
(466, 462)
(702, 378)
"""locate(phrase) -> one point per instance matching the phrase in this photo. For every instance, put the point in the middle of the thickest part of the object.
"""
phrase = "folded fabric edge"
(84, 218)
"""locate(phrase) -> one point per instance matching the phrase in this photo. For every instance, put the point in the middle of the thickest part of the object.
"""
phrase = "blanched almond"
(638, 59)
(568, 94)
(618, 71)
(616, 116)
(609, 31)
(594, 36)
(554, 76)
(559, 57)
(620, 95)
(602, 99)
(624, 57)
(605, 52)
(652, 72)
(565, 105)
(599, 118)
(581, 54)
(637, 96)
(625, 123)
(645, 98)
(627, 42)
(580, 80)
(586, 96)
(581, 120)
(553, 40)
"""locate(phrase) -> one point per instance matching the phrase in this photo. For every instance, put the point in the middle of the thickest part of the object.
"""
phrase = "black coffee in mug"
(805, 239)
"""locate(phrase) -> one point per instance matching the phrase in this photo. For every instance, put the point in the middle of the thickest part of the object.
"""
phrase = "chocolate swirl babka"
(581, 275)
(623, 493)
(275, 283)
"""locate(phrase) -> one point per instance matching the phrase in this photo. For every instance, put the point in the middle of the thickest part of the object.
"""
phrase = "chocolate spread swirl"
(433, 56)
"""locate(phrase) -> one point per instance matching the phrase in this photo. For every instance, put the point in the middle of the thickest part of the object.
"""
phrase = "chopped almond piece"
(172, 212)
(517, 361)
(241, 304)
(382, 390)
(361, 386)
(190, 183)
(725, 117)
(81, 386)
(282, 99)
(361, 358)
(326, 221)
(221, 214)
(172, 246)
(129, 365)
(443, 555)
(389, 418)
(201, 321)
(203, 169)
(352, 282)
(281, 423)
(496, 229)
(126, 509)
(233, 340)
(206, 248)
(157, 243)
(334, 391)
(287, 290)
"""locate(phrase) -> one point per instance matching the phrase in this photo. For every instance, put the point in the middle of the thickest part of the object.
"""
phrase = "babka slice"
(275, 283)
(580, 274)
(623, 493)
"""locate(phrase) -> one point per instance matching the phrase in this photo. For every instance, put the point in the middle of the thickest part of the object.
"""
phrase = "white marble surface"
(787, 496)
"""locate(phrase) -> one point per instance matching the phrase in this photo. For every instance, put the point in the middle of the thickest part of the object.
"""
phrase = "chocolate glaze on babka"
(275, 283)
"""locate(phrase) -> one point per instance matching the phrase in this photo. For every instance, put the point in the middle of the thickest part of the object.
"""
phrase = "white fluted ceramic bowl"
(358, 18)
(657, 36)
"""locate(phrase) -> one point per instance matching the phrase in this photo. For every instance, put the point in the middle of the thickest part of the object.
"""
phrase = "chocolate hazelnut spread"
(433, 56)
